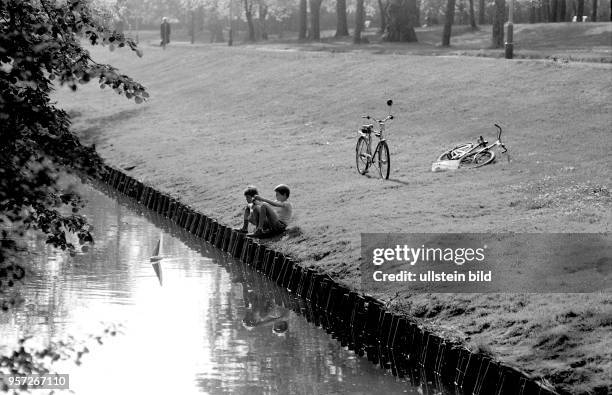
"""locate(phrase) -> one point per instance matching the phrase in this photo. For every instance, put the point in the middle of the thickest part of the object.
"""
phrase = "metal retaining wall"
(359, 322)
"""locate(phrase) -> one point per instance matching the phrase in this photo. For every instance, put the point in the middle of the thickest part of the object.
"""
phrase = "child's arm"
(270, 202)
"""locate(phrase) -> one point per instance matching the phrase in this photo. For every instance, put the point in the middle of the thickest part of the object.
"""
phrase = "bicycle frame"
(378, 133)
(482, 144)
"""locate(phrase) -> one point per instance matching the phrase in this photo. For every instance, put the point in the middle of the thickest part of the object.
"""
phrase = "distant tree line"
(395, 20)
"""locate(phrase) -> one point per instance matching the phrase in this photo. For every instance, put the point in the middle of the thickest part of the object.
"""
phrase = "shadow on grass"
(92, 135)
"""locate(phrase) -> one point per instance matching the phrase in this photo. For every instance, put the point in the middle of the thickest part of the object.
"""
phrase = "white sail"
(157, 255)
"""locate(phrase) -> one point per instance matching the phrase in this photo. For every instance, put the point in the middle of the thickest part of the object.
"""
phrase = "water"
(211, 326)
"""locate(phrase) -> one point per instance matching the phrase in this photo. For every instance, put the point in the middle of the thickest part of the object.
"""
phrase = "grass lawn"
(220, 118)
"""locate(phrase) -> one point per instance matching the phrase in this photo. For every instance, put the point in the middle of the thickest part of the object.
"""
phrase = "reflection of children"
(261, 311)
(271, 216)
(280, 328)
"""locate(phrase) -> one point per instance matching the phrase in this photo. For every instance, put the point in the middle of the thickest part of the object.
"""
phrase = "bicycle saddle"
(367, 128)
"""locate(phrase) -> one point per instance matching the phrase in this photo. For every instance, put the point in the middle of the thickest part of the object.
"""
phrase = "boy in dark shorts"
(249, 193)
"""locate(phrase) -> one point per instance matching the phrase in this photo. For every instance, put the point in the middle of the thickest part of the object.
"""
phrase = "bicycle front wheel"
(362, 155)
(477, 159)
(383, 159)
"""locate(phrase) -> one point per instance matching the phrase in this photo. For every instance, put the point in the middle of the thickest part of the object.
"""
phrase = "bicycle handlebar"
(499, 131)
(380, 121)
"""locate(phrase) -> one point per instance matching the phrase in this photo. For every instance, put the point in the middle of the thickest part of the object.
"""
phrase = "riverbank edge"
(353, 312)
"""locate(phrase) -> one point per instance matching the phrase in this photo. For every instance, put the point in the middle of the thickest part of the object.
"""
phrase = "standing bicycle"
(379, 157)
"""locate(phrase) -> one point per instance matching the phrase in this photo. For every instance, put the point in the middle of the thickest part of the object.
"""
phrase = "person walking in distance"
(164, 30)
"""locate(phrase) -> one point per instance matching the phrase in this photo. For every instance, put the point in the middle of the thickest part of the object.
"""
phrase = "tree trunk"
(192, 27)
(562, 10)
(532, 12)
(498, 24)
(594, 12)
(341, 23)
(417, 20)
(248, 6)
(401, 16)
(448, 22)
(472, 16)
(315, 12)
(200, 18)
(382, 5)
(218, 33)
(263, 13)
(358, 22)
(460, 14)
(303, 20)
(554, 10)
(546, 10)
(580, 10)
(481, 12)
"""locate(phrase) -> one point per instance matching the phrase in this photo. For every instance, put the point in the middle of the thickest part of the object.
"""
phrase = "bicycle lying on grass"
(380, 157)
(473, 155)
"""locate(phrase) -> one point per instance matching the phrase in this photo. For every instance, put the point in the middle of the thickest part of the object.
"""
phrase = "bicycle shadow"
(395, 180)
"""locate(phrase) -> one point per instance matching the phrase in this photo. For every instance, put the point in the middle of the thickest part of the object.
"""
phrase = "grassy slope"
(220, 118)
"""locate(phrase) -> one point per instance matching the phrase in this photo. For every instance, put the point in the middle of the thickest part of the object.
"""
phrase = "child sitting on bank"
(270, 217)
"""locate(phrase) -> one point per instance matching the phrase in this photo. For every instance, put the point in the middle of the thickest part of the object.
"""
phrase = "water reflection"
(214, 326)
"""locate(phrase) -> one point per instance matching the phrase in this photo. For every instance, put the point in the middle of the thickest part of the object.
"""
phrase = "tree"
(448, 23)
(281, 11)
(481, 12)
(215, 25)
(315, 17)
(401, 19)
(554, 10)
(472, 16)
(303, 19)
(594, 11)
(562, 10)
(382, 6)
(342, 24)
(40, 44)
(498, 24)
(580, 10)
(263, 13)
(248, 13)
(359, 17)
(546, 10)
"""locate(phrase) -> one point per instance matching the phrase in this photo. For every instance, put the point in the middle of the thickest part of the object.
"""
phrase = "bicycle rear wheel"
(477, 159)
(362, 155)
(382, 159)
(456, 152)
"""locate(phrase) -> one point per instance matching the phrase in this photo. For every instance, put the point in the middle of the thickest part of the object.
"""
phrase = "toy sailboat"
(156, 259)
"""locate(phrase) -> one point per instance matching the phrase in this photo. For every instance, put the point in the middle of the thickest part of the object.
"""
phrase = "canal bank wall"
(359, 322)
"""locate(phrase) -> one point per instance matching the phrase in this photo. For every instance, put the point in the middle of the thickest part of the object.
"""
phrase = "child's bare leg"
(251, 215)
(267, 215)
(245, 223)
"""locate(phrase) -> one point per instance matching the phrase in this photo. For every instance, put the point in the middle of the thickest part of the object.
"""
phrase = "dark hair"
(250, 191)
(282, 189)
